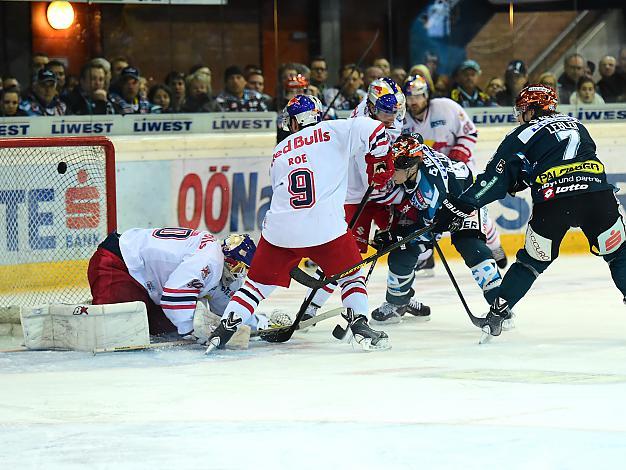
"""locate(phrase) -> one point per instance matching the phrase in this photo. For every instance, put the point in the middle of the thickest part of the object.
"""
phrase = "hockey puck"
(339, 332)
(62, 168)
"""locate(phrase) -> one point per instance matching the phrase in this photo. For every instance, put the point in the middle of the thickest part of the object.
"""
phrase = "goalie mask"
(238, 252)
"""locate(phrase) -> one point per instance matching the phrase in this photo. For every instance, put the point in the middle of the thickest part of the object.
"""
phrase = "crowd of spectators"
(117, 87)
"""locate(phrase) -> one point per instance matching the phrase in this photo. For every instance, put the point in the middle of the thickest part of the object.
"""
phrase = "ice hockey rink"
(548, 395)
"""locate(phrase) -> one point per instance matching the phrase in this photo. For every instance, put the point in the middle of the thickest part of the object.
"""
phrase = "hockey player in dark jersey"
(423, 178)
(555, 156)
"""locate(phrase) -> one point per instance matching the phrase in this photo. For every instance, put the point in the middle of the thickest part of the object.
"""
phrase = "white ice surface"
(549, 395)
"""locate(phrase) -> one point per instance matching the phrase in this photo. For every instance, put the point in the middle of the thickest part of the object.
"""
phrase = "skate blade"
(213, 345)
(486, 335)
(417, 318)
(389, 321)
(359, 343)
(425, 273)
(509, 324)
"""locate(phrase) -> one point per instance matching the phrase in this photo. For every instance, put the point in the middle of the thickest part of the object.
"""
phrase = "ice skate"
(493, 323)
(360, 335)
(387, 313)
(223, 333)
(417, 310)
(426, 268)
(500, 256)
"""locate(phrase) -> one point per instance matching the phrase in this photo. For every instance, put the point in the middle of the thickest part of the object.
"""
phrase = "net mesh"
(53, 214)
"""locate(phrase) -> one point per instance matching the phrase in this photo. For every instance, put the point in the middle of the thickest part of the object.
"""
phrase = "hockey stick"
(286, 335)
(352, 69)
(184, 342)
(477, 321)
(303, 278)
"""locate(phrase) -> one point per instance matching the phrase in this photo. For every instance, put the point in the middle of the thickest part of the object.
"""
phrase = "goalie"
(170, 269)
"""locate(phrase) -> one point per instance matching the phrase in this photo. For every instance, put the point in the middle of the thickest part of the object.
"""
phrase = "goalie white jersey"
(176, 266)
(309, 176)
(446, 126)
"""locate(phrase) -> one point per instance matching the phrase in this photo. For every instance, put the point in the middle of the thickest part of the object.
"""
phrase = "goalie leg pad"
(96, 328)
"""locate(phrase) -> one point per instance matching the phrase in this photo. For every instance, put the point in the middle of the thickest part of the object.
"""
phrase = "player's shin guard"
(477, 256)
(354, 292)
(521, 276)
(320, 297)
(245, 301)
(617, 266)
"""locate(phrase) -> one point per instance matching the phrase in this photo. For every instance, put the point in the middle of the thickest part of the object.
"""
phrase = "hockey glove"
(384, 238)
(379, 169)
(451, 214)
(459, 153)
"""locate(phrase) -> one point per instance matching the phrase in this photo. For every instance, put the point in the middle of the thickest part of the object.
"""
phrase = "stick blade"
(303, 278)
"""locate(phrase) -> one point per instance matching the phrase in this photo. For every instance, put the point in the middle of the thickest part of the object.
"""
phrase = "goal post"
(57, 202)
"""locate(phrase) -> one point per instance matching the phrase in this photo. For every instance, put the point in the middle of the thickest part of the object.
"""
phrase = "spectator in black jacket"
(161, 95)
(574, 65)
(90, 96)
(176, 83)
(612, 84)
(515, 78)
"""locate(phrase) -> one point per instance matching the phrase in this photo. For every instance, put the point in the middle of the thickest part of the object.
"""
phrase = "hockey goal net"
(57, 203)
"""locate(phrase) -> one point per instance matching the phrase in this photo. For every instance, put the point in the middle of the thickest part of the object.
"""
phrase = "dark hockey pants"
(474, 251)
(597, 214)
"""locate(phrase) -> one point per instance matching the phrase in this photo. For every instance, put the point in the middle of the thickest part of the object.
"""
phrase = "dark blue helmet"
(305, 109)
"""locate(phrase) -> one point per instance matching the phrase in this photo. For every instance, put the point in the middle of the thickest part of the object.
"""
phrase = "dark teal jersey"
(553, 155)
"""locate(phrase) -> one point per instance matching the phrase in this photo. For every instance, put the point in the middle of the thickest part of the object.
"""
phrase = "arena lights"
(60, 14)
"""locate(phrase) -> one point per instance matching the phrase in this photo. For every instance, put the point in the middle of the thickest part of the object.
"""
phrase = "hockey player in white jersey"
(169, 269)
(446, 128)
(309, 174)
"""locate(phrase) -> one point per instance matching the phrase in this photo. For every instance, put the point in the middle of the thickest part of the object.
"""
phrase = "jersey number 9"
(301, 188)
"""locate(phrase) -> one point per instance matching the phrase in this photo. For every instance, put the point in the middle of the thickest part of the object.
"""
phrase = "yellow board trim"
(43, 276)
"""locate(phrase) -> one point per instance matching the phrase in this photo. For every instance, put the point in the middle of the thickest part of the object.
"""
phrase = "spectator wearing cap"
(515, 78)
(176, 83)
(348, 92)
(585, 93)
(574, 69)
(126, 98)
(44, 99)
(90, 96)
(199, 97)
(612, 85)
(236, 97)
(255, 81)
(466, 91)
(10, 103)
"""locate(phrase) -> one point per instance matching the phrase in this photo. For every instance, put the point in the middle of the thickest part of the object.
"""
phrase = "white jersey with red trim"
(446, 126)
(309, 176)
(176, 266)
(357, 179)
